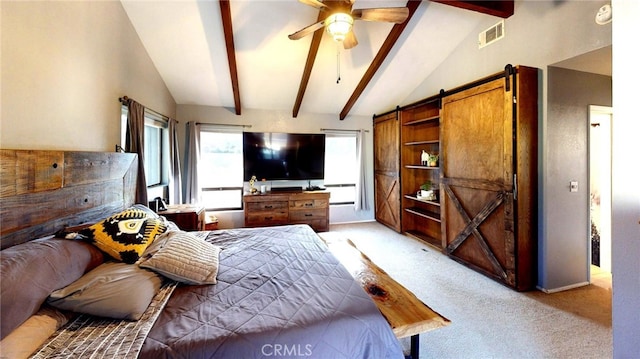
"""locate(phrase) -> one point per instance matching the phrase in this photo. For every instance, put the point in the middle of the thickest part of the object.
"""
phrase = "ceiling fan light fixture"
(338, 25)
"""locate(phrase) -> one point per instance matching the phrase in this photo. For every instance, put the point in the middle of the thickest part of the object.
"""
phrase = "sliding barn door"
(477, 142)
(386, 166)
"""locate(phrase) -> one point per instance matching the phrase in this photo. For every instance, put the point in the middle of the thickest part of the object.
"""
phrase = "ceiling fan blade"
(388, 14)
(306, 31)
(315, 3)
(350, 41)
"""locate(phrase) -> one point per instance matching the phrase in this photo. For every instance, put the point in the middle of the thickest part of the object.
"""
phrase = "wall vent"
(490, 35)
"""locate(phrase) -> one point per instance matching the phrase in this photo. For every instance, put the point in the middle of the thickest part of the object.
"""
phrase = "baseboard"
(561, 289)
(351, 222)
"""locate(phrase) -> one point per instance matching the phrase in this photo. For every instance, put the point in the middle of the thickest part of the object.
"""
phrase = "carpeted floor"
(488, 320)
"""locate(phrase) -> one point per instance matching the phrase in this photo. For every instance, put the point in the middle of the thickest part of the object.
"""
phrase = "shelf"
(421, 167)
(423, 120)
(423, 213)
(430, 142)
(423, 237)
(415, 198)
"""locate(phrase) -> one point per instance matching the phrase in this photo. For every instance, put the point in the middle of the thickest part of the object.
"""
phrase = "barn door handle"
(515, 187)
(508, 71)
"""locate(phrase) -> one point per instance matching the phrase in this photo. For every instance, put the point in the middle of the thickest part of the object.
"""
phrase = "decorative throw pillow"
(185, 258)
(125, 236)
(115, 290)
(150, 213)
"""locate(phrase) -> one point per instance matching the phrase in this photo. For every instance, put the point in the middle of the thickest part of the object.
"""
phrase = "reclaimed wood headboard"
(42, 192)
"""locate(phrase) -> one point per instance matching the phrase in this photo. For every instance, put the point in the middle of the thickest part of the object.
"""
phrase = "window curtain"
(361, 202)
(192, 189)
(135, 144)
(175, 176)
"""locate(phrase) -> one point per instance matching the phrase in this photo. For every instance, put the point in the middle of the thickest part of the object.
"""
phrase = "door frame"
(605, 110)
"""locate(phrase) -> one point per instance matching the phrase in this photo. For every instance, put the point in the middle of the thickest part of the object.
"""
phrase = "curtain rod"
(222, 124)
(338, 129)
(124, 99)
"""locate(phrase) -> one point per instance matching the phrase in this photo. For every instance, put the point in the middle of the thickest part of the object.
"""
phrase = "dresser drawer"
(266, 206)
(309, 203)
(306, 215)
(267, 218)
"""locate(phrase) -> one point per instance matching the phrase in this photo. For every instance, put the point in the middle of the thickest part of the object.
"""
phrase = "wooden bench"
(407, 315)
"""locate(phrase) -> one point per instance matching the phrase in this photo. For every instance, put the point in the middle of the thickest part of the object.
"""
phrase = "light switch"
(573, 186)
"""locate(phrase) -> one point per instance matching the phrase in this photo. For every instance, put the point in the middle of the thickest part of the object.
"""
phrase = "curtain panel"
(361, 201)
(175, 175)
(192, 187)
(135, 144)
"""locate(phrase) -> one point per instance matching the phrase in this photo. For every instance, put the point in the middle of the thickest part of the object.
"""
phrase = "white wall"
(282, 121)
(64, 66)
(540, 33)
(626, 177)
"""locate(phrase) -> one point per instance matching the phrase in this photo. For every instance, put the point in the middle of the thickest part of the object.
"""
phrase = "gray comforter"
(280, 293)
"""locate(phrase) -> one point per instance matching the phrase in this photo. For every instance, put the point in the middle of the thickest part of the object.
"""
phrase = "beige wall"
(64, 65)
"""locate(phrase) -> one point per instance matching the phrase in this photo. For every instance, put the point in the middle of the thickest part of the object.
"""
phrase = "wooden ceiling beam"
(391, 39)
(500, 8)
(311, 59)
(225, 11)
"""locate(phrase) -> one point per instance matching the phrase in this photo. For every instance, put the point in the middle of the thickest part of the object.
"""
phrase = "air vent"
(490, 35)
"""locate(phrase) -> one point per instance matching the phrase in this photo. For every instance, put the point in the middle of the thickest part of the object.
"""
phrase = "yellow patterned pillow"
(125, 236)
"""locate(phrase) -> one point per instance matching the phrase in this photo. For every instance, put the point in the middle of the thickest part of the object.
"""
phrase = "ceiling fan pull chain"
(338, 48)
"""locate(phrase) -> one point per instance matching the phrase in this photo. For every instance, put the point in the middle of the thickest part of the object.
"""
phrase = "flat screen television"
(283, 156)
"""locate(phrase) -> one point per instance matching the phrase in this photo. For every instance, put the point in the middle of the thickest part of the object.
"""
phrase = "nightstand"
(188, 217)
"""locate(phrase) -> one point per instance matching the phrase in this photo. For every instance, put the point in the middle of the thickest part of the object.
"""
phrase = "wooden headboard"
(42, 192)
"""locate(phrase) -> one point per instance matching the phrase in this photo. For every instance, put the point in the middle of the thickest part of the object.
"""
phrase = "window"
(220, 169)
(341, 167)
(156, 147)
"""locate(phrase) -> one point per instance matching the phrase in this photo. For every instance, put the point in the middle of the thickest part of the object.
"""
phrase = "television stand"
(286, 189)
(274, 209)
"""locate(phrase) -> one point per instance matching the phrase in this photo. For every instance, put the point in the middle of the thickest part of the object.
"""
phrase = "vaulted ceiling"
(236, 54)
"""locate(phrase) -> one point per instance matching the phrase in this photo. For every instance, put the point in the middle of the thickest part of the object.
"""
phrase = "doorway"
(600, 119)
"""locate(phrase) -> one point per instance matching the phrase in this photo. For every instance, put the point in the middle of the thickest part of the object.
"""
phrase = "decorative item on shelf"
(263, 186)
(426, 192)
(252, 189)
(433, 160)
(424, 158)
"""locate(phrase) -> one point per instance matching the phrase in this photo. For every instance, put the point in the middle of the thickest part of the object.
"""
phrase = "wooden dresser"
(273, 209)
(187, 217)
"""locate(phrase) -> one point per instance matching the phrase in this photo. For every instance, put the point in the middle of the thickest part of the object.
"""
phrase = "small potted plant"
(426, 190)
(433, 160)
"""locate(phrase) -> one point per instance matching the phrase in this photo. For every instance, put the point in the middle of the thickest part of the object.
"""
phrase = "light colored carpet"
(488, 320)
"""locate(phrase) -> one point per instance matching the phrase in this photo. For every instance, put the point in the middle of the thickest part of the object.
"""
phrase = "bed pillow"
(126, 235)
(185, 258)
(32, 270)
(114, 290)
(31, 334)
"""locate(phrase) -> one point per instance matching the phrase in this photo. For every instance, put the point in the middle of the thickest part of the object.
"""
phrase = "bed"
(278, 292)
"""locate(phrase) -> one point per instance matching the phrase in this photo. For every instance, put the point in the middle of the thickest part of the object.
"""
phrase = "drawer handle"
(268, 218)
(308, 215)
(308, 204)
(268, 206)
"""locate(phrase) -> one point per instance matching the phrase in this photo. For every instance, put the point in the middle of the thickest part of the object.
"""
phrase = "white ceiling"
(185, 41)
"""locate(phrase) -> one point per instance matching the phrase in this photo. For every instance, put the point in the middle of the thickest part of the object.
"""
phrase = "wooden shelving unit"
(420, 130)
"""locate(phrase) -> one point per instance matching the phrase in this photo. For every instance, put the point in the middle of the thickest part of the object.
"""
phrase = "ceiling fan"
(340, 21)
